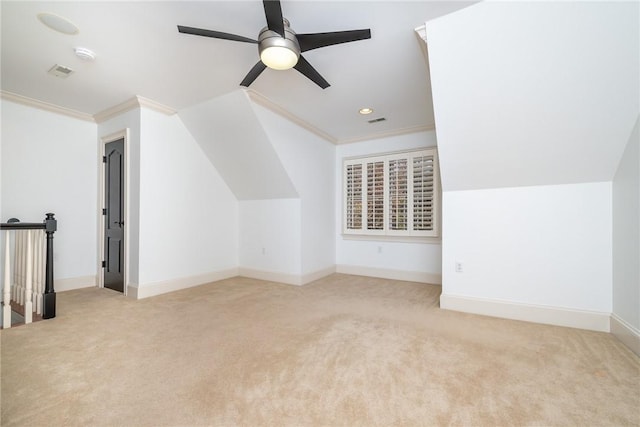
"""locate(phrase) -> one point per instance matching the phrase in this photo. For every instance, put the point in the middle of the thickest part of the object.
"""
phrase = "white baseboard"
(626, 333)
(385, 273)
(286, 278)
(61, 285)
(147, 290)
(559, 316)
(270, 276)
(317, 275)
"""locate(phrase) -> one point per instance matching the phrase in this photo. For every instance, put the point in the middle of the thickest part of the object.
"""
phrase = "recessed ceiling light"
(365, 111)
(58, 23)
(84, 53)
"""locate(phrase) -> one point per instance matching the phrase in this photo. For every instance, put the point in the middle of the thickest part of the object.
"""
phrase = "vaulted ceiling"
(139, 52)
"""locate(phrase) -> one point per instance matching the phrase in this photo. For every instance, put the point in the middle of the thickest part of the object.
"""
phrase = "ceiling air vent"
(60, 71)
(380, 119)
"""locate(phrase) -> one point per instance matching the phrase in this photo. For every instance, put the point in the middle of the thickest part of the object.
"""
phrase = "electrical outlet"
(379, 249)
(459, 268)
(264, 251)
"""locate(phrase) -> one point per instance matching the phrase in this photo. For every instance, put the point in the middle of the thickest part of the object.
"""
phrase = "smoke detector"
(60, 71)
(84, 53)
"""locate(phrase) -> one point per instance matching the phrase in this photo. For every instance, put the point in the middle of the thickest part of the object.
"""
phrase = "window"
(392, 195)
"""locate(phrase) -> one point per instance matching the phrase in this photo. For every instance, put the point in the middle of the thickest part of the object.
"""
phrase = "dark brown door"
(114, 216)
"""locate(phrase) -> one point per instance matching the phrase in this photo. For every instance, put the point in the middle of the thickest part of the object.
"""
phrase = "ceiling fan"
(280, 47)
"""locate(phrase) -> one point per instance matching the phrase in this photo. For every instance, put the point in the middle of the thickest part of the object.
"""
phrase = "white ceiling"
(140, 52)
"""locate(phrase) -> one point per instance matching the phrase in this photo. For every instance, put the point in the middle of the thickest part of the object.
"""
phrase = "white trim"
(271, 276)
(158, 288)
(30, 102)
(387, 134)
(286, 278)
(131, 104)
(421, 32)
(69, 284)
(549, 315)
(131, 290)
(155, 106)
(626, 333)
(270, 105)
(387, 273)
(101, 182)
(391, 238)
(317, 275)
(278, 109)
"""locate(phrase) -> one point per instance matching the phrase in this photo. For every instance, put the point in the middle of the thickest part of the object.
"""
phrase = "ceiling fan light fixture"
(277, 52)
(278, 57)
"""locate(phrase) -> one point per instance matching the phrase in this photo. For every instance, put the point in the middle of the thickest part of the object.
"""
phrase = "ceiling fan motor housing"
(270, 39)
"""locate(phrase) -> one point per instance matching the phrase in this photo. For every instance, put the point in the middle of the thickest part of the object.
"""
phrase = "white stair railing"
(6, 295)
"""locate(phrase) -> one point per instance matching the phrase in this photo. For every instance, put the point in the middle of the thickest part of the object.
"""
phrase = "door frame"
(123, 134)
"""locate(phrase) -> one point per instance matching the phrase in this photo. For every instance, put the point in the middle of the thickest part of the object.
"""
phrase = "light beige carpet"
(343, 351)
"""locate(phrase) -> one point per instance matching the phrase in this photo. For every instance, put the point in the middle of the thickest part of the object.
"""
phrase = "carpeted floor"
(343, 351)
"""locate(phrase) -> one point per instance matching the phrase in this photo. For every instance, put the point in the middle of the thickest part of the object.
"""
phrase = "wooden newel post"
(49, 296)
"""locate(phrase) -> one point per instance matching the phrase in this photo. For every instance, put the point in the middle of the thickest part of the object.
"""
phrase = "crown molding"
(156, 106)
(135, 102)
(30, 102)
(270, 105)
(132, 104)
(387, 134)
(139, 102)
(421, 33)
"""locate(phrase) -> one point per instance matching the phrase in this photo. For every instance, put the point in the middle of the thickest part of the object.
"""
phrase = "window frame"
(386, 231)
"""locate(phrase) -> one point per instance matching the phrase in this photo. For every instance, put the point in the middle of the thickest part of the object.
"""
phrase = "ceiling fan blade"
(316, 40)
(305, 68)
(214, 34)
(253, 74)
(273, 13)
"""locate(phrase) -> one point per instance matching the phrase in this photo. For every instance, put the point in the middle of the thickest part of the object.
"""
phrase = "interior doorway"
(113, 213)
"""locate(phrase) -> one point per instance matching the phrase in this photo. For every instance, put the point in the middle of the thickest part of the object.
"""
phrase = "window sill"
(398, 239)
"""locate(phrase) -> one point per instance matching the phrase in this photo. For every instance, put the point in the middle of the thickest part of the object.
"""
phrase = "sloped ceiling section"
(233, 139)
(534, 93)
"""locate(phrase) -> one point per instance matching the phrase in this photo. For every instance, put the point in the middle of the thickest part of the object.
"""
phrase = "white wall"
(534, 93)
(270, 239)
(231, 136)
(183, 224)
(546, 246)
(49, 164)
(533, 104)
(188, 215)
(626, 236)
(309, 162)
(377, 256)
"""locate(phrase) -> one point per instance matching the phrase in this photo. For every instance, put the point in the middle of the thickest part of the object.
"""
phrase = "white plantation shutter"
(423, 193)
(398, 186)
(375, 195)
(395, 194)
(353, 194)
